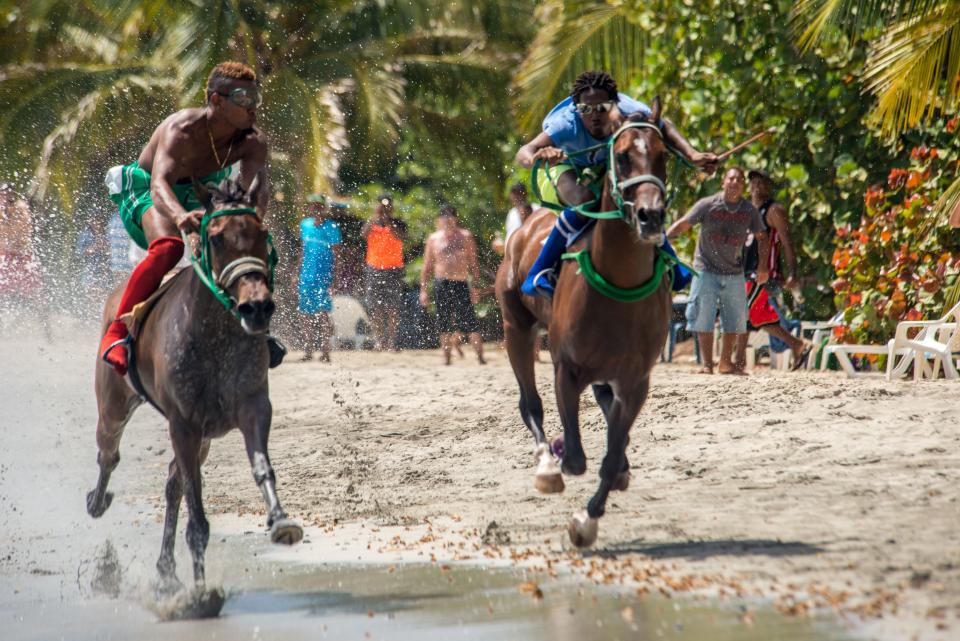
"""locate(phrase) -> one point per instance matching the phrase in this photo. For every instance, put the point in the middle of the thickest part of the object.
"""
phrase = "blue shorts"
(710, 292)
(315, 297)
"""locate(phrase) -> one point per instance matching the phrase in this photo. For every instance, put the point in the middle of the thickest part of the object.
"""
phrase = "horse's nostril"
(269, 307)
(246, 309)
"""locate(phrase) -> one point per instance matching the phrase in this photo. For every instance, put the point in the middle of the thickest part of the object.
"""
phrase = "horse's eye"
(623, 163)
(216, 240)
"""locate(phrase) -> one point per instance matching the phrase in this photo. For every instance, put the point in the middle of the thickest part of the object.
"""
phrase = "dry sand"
(812, 490)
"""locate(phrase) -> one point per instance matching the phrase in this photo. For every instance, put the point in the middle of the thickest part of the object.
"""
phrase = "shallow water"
(267, 600)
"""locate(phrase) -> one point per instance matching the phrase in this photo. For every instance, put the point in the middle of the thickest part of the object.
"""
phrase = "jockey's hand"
(189, 222)
(550, 154)
(705, 160)
(763, 275)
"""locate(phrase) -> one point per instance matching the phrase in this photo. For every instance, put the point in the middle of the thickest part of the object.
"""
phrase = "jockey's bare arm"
(677, 140)
(541, 147)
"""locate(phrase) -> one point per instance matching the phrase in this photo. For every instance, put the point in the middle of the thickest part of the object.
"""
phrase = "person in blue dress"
(591, 114)
(320, 237)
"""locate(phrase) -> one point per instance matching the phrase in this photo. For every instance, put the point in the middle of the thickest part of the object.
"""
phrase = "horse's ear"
(656, 110)
(253, 192)
(203, 193)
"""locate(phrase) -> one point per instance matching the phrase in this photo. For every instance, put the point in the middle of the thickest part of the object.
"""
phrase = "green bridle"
(662, 260)
(218, 284)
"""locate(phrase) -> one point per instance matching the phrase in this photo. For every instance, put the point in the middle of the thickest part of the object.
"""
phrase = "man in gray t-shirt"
(725, 219)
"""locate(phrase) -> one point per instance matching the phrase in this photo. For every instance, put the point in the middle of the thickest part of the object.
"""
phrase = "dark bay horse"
(595, 339)
(205, 371)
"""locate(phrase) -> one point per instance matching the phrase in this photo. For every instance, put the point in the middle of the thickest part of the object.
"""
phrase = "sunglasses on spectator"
(243, 97)
(600, 108)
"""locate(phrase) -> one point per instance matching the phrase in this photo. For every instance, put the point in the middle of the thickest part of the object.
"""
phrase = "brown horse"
(205, 372)
(594, 339)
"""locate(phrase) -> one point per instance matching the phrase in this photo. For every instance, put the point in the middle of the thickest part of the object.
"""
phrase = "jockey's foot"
(113, 347)
(277, 350)
(543, 283)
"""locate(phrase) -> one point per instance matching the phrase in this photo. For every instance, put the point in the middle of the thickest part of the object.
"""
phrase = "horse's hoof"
(286, 531)
(199, 603)
(574, 465)
(549, 483)
(96, 508)
(583, 529)
(622, 482)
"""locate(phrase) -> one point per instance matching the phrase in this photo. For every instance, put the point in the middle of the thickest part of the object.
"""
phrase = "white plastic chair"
(931, 348)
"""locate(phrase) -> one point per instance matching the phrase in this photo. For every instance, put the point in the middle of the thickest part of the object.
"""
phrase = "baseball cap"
(385, 199)
(758, 173)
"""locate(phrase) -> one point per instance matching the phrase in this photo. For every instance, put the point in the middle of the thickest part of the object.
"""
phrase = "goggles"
(600, 108)
(243, 97)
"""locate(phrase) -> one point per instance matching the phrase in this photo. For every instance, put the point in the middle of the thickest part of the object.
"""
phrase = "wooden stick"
(747, 143)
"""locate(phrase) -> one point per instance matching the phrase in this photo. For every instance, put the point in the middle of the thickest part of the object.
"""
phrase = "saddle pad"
(134, 318)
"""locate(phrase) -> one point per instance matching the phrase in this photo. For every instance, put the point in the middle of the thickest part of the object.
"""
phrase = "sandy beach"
(810, 490)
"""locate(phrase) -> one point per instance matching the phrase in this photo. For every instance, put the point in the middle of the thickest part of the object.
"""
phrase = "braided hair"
(594, 80)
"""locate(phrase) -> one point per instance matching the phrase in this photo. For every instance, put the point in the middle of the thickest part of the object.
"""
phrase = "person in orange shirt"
(384, 271)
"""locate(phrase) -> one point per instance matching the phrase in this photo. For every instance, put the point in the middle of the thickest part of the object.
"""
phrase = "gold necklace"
(214, 147)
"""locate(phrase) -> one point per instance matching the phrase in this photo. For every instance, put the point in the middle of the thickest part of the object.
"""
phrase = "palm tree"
(92, 79)
(913, 65)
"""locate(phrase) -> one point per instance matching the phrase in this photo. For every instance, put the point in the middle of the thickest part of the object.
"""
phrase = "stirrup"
(544, 283)
(277, 350)
(123, 342)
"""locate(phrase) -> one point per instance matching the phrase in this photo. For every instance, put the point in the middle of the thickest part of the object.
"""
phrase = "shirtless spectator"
(451, 256)
(19, 270)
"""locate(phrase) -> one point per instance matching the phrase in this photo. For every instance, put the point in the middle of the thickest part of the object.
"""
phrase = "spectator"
(92, 258)
(520, 211)
(451, 257)
(384, 271)
(725, 219)
(19, 268)
(320, 238)
(120, 242)
(762, 308)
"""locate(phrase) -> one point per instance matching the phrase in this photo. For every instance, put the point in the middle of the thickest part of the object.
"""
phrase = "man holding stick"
(725, 219)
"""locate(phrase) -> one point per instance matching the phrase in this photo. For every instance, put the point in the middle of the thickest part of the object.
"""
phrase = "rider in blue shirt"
(592, 113)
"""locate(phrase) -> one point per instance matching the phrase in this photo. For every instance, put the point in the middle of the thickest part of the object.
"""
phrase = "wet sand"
(810, 491)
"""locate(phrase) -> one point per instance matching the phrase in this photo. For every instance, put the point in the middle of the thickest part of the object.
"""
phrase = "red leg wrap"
(162, 254)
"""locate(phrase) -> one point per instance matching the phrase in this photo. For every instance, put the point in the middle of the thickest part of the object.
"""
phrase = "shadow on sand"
(706, 549)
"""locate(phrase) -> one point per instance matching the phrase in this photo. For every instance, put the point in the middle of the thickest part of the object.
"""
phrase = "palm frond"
(576, 36)
(812, 20)
(906, 68)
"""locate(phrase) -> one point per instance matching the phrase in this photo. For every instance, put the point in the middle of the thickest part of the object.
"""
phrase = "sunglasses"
(600, 108)
(243, 97)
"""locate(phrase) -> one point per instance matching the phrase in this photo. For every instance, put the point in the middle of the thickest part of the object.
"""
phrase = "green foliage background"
(430, 100)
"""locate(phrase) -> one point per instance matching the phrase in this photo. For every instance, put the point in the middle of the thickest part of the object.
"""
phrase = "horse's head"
(237, 250)
(640, 162)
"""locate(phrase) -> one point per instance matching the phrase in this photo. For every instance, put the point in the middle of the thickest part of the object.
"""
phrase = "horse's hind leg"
(255, 425)
(622, 411)
(521, 350)
(115, 406)
(604, 395)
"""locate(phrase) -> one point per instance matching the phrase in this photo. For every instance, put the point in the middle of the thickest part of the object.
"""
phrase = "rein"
(218, 284)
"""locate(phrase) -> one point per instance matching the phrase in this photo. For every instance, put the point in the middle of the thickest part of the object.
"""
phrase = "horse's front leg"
(173, 492)
(255, 416)
(187, 448)
(568, 387)
(622, 411)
